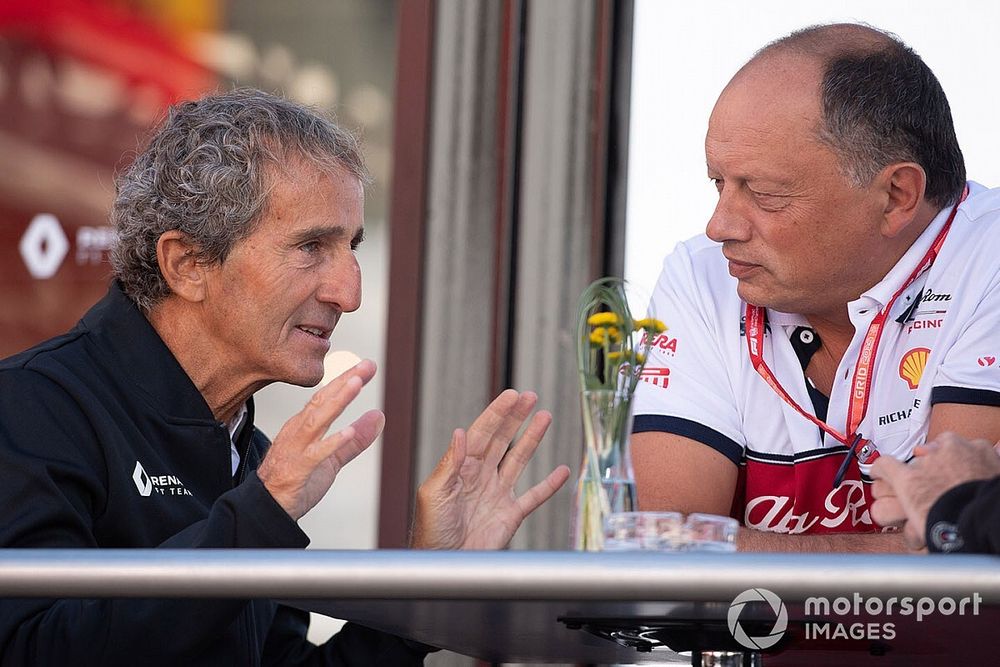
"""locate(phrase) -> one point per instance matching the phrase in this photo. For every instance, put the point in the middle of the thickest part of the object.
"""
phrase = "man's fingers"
(344, 446)
(882, 489)
(313, 421)
(509, 426)
(913, 535)
(318, 414)
(887, 511)
(517, 458)
(448, 468)
(364, 369)
(488, 439)
(887, 468)
(531, 499)
(369, 425)
(490, 418)
(490, 421)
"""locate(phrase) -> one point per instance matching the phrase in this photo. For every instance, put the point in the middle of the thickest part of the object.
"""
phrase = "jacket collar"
(129, 342)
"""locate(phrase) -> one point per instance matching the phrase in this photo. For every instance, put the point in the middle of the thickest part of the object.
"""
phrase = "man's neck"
(875, 260)
(211, 374)
(835, 335)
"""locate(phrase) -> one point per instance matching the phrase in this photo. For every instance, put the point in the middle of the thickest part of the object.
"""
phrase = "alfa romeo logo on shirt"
(758, 643)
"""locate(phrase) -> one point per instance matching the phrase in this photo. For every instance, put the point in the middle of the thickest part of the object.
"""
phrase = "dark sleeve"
(966, 519)
(354, 645)
(53, 482)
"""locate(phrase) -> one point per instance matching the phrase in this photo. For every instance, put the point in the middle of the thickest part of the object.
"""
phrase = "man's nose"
(729, 221)
(341, 285)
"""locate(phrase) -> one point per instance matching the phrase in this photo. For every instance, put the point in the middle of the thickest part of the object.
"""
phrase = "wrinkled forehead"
(301, 178)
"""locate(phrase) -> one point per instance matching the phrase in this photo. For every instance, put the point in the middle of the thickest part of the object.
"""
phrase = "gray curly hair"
(206, 172)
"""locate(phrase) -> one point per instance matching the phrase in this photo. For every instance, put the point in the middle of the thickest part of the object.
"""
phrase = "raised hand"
(469, 500)
(303, 461)
(905, 492)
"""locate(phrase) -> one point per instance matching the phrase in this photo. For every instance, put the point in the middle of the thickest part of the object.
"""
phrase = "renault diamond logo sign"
(142, 481)
(43, 246)
(780, 623)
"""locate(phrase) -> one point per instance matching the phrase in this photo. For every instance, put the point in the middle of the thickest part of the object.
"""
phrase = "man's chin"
(765, 298)
(754, 295)
(305, 377)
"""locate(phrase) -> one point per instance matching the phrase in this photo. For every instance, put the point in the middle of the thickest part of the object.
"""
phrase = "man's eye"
(310, 247)
(717, 182)
(769, 202)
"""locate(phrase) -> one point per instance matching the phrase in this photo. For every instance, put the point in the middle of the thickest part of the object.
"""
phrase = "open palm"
(469, 500)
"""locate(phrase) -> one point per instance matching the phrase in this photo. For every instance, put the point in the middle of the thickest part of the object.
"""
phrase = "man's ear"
(904, 184)
(179, 265)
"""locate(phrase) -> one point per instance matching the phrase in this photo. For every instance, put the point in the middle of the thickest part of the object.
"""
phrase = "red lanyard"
(864, 371)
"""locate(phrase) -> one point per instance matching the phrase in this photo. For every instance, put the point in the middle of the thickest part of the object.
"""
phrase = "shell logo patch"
(911, 366)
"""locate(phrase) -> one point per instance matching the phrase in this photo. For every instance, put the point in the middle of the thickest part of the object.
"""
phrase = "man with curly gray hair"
(237, 226)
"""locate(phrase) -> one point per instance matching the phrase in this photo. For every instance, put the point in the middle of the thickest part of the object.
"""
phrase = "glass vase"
(606, 484)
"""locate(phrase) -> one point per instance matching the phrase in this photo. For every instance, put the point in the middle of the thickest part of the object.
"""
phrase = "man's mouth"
(314, 331)
(740, 270)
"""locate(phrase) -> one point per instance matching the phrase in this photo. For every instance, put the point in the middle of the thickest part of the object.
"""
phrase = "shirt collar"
(126, 339)
(780, 319)
(236, 422)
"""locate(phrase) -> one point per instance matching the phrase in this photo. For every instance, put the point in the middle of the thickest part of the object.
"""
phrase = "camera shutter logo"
(780, 623)
(142, 481)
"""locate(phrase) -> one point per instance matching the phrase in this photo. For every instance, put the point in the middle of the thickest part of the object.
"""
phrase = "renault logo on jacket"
(164, 485)
(142, 481)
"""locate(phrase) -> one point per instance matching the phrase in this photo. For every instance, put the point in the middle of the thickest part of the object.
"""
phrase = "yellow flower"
(600, 319)
(598, 335)
(602, 335)
(650, 324)
(640, 358)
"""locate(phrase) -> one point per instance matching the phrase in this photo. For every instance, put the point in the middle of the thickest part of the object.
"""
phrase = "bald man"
(841, 307)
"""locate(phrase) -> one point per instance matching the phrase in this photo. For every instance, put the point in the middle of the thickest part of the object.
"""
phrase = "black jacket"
(106, 442)
(966, 519)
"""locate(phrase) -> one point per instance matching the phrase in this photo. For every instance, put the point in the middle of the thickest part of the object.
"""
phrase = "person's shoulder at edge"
(59, 351)
(33, 355)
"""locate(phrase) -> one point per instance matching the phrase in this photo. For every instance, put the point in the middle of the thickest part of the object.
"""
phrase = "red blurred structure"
(80, 81)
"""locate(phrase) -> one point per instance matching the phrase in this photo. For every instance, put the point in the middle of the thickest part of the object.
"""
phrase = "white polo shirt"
(699, 381)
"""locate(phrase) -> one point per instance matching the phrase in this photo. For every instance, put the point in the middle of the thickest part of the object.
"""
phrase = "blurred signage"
(80, 82)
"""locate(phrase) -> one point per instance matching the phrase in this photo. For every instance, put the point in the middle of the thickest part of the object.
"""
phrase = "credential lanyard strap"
(756, 322)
